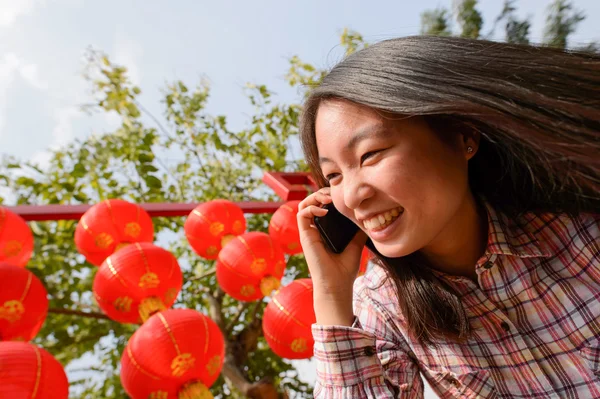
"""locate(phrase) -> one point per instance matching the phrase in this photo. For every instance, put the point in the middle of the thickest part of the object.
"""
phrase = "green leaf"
(80, 197)
(144, 158)
(152, 181)
(147, 168)
(79, 170)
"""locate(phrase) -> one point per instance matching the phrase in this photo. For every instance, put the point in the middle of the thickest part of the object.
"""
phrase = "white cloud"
(29, 72)
(128, 52)
(63, 130)
(10, 10)
(41, 158)
(12, 66)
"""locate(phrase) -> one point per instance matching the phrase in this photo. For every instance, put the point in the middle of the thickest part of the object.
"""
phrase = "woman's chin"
(392, 251)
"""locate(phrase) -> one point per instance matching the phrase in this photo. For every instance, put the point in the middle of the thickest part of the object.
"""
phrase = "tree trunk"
(236, 354)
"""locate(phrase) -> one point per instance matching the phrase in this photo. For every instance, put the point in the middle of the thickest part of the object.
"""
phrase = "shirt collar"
(513, 237)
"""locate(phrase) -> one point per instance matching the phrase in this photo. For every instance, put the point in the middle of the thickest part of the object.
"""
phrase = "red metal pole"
(288, 185)
(74, 212)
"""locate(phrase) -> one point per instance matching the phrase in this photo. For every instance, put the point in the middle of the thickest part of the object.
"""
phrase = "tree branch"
(79, 313)
(215, 310)
(232, 323)
(233, 376)
(203, 275)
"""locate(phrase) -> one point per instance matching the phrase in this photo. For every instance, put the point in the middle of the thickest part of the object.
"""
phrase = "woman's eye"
(369, 155)
(331, 177)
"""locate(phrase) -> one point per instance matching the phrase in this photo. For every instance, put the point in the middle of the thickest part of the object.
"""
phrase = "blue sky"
(229, 43)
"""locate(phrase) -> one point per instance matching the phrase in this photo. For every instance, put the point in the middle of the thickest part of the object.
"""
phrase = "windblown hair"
(537, 110)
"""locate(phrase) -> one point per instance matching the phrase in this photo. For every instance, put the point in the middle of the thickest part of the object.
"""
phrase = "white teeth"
(382, 219)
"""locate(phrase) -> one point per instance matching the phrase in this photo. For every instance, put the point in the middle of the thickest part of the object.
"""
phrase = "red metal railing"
(289, 186)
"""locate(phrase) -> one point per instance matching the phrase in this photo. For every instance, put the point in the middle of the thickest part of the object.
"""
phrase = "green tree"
(561, 21)
(469, 19)
(516, 31)
(435, 22)
(134, 162)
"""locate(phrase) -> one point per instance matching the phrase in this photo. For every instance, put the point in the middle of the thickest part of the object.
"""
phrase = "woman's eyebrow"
(368, 132)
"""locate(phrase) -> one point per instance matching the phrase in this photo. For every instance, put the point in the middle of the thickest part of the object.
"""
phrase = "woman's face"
(394, 177)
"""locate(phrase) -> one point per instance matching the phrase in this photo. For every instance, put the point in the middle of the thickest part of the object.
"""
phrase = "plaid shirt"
(535, 314)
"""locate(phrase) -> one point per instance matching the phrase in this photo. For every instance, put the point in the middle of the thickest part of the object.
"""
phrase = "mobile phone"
(336, 229)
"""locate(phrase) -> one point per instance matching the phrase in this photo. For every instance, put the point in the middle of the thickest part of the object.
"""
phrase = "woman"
(473, 169)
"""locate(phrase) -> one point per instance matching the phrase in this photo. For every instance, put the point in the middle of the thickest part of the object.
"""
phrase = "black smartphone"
(336, 229)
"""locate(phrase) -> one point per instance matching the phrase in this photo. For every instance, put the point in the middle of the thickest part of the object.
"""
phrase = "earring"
(469, 149)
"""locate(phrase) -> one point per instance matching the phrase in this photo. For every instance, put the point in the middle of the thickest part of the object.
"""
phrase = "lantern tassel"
(268, 285)
(149, 306)
(226, 239)
(194, 390)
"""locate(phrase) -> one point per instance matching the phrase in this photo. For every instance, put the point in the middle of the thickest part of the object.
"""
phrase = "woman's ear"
(470, 143)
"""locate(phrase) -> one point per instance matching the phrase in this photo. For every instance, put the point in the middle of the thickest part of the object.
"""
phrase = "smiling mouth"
(382, 220)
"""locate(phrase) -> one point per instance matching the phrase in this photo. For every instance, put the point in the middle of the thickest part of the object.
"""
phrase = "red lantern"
(110, 225)
(288, 318)
(136, 282)
(283, 227)
(186, 356)
(250, 267)
(16, 240)
(27, 371)
(212, 225)
(23, 304)
(365, 257)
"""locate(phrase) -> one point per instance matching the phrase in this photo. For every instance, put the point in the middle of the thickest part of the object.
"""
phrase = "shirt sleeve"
(368, 360)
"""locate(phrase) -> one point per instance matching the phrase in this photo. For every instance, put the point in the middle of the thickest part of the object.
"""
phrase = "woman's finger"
(318, 198)
(305, 216)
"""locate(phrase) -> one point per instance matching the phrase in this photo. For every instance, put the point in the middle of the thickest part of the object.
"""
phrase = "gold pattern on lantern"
(213, 365)
(104, 240)
(149, 280)
(238, 227)
(258, 265)
(194, 390)
(182, 363)
(292, 245)
(123, 304)
(216, 228)
(299, 345)
(212, 250)
(247, 290)
(12, 248)
(158, 395)
(133, 229)
(12, 311)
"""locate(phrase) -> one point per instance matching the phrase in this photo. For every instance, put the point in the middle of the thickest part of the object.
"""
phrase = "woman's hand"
(332, 274)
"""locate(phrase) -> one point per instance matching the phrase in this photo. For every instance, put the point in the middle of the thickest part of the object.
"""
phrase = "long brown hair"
(537, 110)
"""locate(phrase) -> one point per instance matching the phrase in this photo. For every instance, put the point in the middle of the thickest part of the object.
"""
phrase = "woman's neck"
(462, 242)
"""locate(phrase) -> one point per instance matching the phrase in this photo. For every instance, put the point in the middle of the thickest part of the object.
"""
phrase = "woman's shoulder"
(557, 231)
